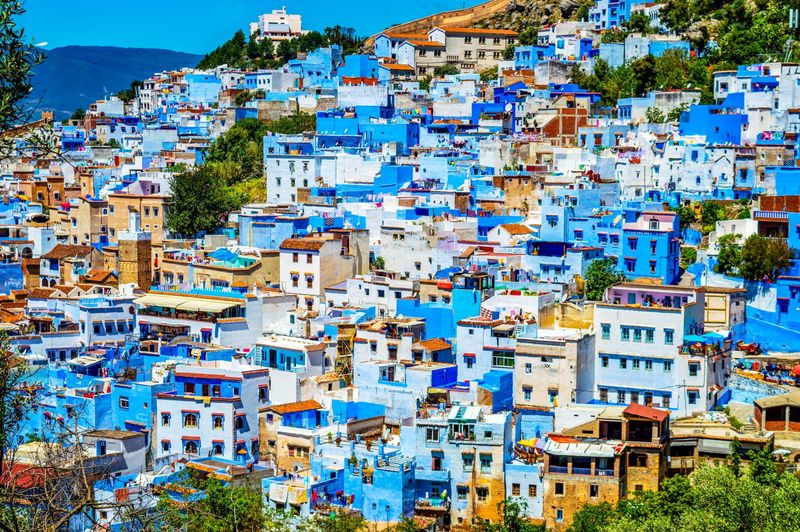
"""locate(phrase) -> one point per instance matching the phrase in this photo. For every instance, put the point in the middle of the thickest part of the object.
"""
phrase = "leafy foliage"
(601, 274)
(129, 94)
(688, 256)
(17, 58)
(654, 115)
(710, 213)
(445, 70)
(730, 255)
(200, 200)
(686, 215)
(512, 510)
(240, 52)
(764, 257)
(489, 74)
(711, 498)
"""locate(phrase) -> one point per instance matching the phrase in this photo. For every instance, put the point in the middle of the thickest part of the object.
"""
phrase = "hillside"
(75, 76)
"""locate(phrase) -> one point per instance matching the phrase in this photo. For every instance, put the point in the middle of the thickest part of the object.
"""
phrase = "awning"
(205, 305)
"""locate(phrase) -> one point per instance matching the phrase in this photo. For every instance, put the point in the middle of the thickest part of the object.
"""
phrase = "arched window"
(239, 422)
(190, 420)
(217, 449)
(190, 447)
(215, 390)
(218, 423)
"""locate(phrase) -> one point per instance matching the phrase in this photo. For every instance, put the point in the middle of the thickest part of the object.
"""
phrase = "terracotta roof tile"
(434, 344)
(303, 244)
(300, 406)
(62, 251)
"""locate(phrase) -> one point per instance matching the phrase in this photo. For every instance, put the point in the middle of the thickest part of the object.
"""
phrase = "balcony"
(429, 504)
(581, 470)
(557, 469)
(432, 476)
(454, 437)
(604, 472)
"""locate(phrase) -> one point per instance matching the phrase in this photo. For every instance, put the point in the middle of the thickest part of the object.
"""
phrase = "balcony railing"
(604, 472)
(557, 469)
(581, 470)
(428, 503)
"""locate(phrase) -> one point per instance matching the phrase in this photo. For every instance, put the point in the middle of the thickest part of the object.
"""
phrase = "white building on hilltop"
(278, 26)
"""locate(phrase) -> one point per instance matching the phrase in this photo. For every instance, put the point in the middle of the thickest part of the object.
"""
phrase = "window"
(636, 363)
(693, 398)
(621, 396)
(693, 369)
(528, 368)
(486, 463)
(190, 420)
(667, 366)
(594, 490)
(461, 492)
(531, 490)
(648, 365)
(123, 402)
(634, 397)
(165, 445)
(515, 490)
(623, 363)
(637, 335)
(482, 493)
(669, 336)
(309, 258)
(559, 488)
(559, 515)
(526, 393)
(637, 460)
(469, 461)
(603, 395)
(649, 335)
(432, 435)
(218, 423)
(295, 257)
(606, 330)
(626, 334)
(604, 361)
(165, 419)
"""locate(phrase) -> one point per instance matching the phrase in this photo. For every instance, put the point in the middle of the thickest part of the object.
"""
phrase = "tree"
(686, 215)
(601, 274)
(513, 510)
(654, 115)
(129, 94)
(489, 74)
(730, 255)
(445, 70)
(675, 114)
(710, 213)
(639, 23)
(200, 200)
(78, 114)
(379, 263)
(18, 56)
(592, 518)
(688, 256)
(764, 258)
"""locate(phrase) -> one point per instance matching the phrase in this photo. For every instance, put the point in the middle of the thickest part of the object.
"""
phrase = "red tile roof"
(300, 406)
(62, 251)
(303, 244)
(635, 409)
(434, 344)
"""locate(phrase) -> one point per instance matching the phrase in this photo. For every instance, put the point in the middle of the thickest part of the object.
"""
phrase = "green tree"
(675, 114)
(489, 74)
(601, 274)
(592, 518)
(379, 264)
(686, 215)
(129, 94)
(200, 201)
(710, 213)
(78, 114)
(445, 70)
(764, 257)
(513, 511)
(654, 115)
(18, 56)
(639, 23)
(688, 256)
(730, 255)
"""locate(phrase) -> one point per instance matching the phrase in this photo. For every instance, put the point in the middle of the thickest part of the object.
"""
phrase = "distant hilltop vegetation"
(73, 77)
(507, 14)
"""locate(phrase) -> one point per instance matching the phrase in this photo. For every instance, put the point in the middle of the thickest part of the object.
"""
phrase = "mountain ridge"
(74, 76)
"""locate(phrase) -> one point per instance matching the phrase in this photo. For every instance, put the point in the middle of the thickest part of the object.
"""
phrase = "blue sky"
(198, 26)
